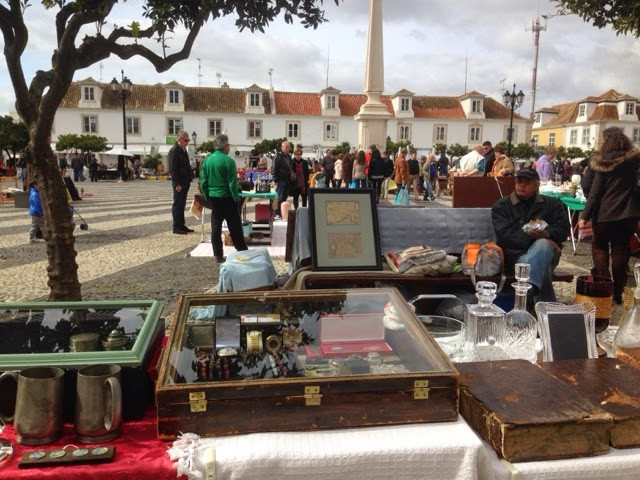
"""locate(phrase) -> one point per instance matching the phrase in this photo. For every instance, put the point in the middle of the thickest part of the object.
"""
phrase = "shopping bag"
(402, 197)
(392, 185)
(353, 184)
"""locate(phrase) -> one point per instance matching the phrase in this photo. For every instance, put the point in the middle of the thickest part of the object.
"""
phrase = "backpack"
(321, 181)
(414, 167)
(484, 261)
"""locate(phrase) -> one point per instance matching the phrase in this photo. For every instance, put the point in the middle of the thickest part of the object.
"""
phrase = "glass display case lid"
(282, 336)
(68, 334)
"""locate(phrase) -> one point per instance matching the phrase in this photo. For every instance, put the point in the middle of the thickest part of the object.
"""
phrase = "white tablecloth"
(437, 451)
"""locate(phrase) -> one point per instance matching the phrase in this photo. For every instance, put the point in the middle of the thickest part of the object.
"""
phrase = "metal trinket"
(37, 455)
(99, 451)
(58, 453)
(80, 452)
(115, 341)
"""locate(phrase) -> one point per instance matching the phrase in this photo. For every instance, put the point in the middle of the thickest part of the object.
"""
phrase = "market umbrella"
(118, 151)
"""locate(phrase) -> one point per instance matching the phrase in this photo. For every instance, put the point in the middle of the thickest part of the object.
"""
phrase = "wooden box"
(44, 334)
(480, 192)
(609, 383)
(258, 361)
(630, 356)
(526, 414)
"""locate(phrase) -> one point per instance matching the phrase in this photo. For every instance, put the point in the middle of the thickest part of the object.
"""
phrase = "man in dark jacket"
(539, 248)
(489, 157)
(181, 176)
(329, 165)
(281, 172)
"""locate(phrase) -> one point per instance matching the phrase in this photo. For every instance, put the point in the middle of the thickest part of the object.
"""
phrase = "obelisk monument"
(373, 116)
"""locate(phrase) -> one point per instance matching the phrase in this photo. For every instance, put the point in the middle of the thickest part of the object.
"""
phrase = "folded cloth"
(412, 257)
(247, 270)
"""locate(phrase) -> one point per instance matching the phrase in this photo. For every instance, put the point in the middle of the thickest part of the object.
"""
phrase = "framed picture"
(344, 229)
(567, 331)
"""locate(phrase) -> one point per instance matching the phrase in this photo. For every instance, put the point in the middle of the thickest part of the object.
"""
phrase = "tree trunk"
(62, 268)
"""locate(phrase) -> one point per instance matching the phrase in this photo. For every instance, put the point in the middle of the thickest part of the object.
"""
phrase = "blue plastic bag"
(353, 184)
(402, 197)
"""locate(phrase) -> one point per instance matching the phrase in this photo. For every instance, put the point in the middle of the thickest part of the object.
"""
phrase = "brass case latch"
(312, 396)
(198, 402)
(421, 390)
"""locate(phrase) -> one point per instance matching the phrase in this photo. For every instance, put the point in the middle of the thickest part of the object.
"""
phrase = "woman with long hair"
(358, 170)
(377, 172)
(613, 206)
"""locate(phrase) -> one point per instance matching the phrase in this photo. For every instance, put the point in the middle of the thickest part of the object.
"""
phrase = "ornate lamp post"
(124, 90)
(512, 100)
(194, 135)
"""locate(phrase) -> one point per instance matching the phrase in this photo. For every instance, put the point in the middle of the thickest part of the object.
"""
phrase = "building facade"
(318, 120)
(580, 124)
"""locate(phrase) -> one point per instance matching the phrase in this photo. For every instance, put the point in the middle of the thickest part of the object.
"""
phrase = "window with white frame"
(89, 94)
(174, 96)
(133, 125)
(331, 102)
(254, 99)
(330, 131)
(552, 139)
(89, 124)
(293, 130)
(255, 129)
(174, 125)
(636, 135)
(538, 117)
(582, 110)
(439, 133)
(404, 132)
(573, 136)
(215, 127)
(630, 108)
(475, 106)
(404, 104)
(514, 134)
(586, 135)
(475, 133)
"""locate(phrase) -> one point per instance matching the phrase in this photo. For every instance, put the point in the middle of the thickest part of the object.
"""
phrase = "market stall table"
(573, 204)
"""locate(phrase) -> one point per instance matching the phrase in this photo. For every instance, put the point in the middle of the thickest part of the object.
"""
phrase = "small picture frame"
(344, 229)
(567, 331)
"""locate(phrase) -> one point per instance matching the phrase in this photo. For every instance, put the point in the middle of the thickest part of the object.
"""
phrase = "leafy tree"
(14, 137)
(152, 161)
(206, 147)
(457, 150)
(440, 148)
(574, 152)
(345, 147)
(622, 15)
(393, 147)
(561, 151)
(77, 47)
(270, 147)
(522, 151)
(67, 141)
(88, 144)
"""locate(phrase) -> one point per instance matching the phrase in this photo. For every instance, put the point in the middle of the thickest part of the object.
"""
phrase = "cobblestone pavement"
(130, 252)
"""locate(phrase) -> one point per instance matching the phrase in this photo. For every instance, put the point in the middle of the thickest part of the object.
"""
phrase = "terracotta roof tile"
(350, 104)
(604, 112)
(218, 100)
(330, 89)
(496, 110)
(296, 103)
(437, 107)
(174, 84)
(254, 87)
(472, 93)
(567, 113)
(610, 95)
(404, 91)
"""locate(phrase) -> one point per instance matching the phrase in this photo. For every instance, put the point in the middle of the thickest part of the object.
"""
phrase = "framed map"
(344, 229)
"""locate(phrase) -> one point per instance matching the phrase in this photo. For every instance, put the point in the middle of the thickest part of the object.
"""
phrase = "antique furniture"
(477, 192)
(43, 334)
(279, 361)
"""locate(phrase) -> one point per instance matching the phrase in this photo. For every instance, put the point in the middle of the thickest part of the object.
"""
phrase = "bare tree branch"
(62, 17)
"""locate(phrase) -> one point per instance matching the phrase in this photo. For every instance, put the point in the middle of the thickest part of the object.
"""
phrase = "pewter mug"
(98, 413)
(38, 404)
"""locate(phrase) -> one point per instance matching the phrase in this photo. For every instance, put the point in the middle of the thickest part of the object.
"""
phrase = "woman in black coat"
(613, 206)
(377, 172)
(300, 187)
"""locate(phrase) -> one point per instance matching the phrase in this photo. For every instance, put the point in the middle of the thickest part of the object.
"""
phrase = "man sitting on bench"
(540, 247)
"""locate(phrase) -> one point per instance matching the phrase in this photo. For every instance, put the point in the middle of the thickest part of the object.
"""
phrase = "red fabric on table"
(139, 455)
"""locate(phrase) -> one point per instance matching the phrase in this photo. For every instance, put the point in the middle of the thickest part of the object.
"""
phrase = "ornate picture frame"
(344, 229)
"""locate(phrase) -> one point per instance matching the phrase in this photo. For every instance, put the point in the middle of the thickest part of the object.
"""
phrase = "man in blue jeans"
(539, 248)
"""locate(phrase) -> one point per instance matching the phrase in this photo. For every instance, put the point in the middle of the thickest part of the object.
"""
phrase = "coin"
(99, 451)
(80, 452)
(36, 455)
(58, 453)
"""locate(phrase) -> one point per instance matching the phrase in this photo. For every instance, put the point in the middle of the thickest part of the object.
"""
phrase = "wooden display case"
(72, 335)
(278, 361)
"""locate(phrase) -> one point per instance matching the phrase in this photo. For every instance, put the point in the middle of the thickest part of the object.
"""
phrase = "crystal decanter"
(521, 326)
(485, 327)
(628, 335)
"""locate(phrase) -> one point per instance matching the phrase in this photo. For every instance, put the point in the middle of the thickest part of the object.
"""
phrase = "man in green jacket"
(219, 184)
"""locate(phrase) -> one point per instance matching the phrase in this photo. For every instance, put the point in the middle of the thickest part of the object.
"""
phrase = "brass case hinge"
(197, 402)
(421, 390)
(312, 396)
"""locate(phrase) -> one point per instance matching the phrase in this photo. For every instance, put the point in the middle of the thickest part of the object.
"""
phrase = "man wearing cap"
(540, 248)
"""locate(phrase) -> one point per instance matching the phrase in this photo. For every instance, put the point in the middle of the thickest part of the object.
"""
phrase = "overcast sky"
(425, 42)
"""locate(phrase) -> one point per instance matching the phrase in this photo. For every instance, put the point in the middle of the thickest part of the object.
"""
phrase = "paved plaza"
(130, 252)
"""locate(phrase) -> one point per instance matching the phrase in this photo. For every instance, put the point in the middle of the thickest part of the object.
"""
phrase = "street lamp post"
(124, 90)
(512, 100)
(194, 135)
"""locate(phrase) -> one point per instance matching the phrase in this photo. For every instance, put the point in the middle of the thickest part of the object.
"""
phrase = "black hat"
(528, 173)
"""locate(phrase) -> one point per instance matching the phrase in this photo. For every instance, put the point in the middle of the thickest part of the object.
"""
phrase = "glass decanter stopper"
(628, 335)
(521, 326)
(485, 327)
